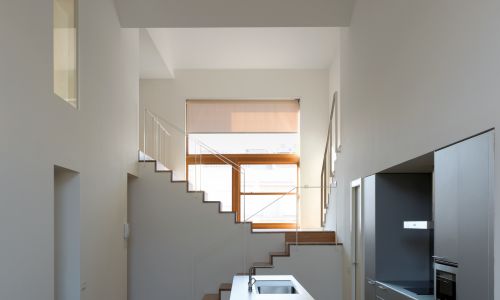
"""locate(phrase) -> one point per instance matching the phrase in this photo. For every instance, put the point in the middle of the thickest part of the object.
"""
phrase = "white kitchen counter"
(239, 290)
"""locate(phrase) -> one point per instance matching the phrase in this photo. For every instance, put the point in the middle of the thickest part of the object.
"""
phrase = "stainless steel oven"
(445, 280)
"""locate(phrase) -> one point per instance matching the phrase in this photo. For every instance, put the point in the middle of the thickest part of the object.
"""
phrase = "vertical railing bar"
(155, 134)
(144, 135)
(244, 199)
(297, 216)
(157, 139)
(196, 165)
(201, 171)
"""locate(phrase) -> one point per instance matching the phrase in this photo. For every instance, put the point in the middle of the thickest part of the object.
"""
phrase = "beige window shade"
(249, 116)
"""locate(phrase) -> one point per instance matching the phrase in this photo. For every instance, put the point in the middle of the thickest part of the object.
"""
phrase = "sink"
(275, 287)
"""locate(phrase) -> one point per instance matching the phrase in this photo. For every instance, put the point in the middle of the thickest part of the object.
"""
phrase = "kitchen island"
(265, 284)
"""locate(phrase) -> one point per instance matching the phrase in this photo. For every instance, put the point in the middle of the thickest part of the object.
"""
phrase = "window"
(260, 143)
(213, 179)
(65, 50)
(243, 126)
(270, 194)
(239, 143)
(242, 116)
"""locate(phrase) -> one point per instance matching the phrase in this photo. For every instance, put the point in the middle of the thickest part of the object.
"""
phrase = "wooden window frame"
(247, 159)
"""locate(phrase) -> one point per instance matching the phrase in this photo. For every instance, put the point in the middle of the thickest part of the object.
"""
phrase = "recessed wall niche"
(66, 234)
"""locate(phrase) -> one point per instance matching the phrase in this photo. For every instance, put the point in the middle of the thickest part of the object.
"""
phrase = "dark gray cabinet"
(446, 203)
(388, 201)
(385, 293)
(370, 289)
(369, 211)
(463, 207)
(369, 236)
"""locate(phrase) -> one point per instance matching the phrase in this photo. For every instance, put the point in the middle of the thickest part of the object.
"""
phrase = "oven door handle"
(444, 261)
(439, 257)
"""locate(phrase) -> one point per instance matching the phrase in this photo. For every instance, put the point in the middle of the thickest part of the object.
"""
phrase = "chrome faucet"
(251, 280)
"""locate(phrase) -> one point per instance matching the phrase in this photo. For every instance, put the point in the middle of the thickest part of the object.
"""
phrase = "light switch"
(126, 231)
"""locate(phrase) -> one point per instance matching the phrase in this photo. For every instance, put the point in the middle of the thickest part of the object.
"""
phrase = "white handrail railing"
(156, 139)
(156, 146)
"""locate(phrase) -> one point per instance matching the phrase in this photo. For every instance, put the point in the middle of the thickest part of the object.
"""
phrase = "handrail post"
(144, 134)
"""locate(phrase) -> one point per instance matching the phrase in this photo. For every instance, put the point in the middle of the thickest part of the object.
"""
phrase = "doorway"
(357, 239)
(66, 234)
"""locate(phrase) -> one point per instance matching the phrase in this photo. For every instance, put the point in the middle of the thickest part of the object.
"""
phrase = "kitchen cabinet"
(389, 199)
(369, 225)
(369, 236)
(370, 289)
(463, 213)
(446, 203)
(385, 293)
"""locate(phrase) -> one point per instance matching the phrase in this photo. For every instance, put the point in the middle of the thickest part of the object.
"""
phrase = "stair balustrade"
(159, 139)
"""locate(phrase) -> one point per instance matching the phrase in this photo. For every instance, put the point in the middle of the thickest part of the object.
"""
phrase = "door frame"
(356, 216)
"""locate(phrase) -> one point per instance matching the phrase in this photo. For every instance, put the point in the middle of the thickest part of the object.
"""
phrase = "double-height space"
(234, 150)
(241, 200)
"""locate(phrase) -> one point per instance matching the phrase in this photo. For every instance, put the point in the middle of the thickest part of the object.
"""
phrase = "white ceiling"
(242, 48)
(234, 13)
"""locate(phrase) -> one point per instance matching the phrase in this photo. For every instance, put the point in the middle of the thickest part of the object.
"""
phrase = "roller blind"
(247, 116)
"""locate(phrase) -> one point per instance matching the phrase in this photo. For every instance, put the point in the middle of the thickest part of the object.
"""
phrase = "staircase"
(153, 198)
(303, 238)
(224, 290)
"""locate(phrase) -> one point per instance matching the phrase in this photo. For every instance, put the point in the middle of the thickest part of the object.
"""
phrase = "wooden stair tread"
(262, 265)
(272, 255)
(313, 237)
(311, 243)
(211, 297)
(279, 254)
(225, 287)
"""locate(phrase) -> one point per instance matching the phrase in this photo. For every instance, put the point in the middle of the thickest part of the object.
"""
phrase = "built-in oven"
(445, 280)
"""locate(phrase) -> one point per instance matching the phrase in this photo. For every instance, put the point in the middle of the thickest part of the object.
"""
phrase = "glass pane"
(280, 211)
(65, 33)
(215, 180)
(269, 178)
(245, 143)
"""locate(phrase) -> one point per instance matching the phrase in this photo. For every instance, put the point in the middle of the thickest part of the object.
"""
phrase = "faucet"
(251, 280)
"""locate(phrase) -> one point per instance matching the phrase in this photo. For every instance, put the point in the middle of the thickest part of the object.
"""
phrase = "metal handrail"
(328, 164)
(163, 124)
(156, 118)
(185, 134)
(280, 197)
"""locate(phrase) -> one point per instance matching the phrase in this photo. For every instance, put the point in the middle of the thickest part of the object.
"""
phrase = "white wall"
(167, 99)
(318, 268)
(38, 131)
(415, 76)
